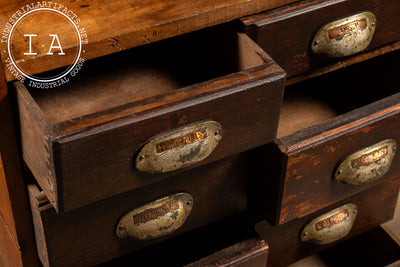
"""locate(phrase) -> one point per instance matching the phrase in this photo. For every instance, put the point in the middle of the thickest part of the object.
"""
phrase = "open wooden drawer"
(140, 116)
(229, 242)
(142, 217)
(338, 135)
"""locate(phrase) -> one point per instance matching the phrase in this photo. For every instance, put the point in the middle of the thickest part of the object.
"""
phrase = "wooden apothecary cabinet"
(191, 124)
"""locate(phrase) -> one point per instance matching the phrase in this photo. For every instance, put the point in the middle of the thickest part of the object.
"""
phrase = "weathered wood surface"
(375, 206)
(372, 248)
(17, 244)
(286, 33)
(306, 158)
(251, 252)
(86, 236)
(77, 151)
(112, 26)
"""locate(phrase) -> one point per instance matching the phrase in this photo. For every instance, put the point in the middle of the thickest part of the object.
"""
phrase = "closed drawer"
(139, 117)
(373, 207)
(288, 33)
(338, 135)
(134, 220)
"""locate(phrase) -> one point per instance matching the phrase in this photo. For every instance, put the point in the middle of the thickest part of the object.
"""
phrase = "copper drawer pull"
(368, 164)
(180, 148)
(155, 219)
(330, 226)
(346, 36)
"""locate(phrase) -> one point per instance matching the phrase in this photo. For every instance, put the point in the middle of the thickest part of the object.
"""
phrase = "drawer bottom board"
(373, 248)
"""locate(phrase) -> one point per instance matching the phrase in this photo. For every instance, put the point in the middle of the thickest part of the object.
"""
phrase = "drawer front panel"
(287, 33)
(89, 234)
(231, 241)
(374, 206)
(84, 142)
(241, 131)
(251, 252)
(309, 167)
(320, 159)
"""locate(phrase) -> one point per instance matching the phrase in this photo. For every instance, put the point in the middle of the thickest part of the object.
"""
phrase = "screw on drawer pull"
(368, 164)
(155, 219)
(331, 226)
(346, 36)
(180, 148)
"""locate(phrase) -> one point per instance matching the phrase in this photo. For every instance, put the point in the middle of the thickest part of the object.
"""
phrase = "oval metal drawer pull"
(155, 219)
(346, 36)
(330, 226)
(180, 148)
(367, 164)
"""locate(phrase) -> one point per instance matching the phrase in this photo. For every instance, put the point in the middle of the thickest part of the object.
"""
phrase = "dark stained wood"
(86, 236)
(16, 234)
(120, 25)
(80, 141)
(251, 252)
(345, 63)
(222, 236)
(394, 264)
(286, 33)
(372, 248)
(375, 206)
(9, 247)
(300, 112)
(305, 160)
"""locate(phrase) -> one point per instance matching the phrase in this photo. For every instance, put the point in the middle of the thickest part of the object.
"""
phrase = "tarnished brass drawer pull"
(367, 164)
(330, 226)
(346, 36)
(180, 148)
(155, 219)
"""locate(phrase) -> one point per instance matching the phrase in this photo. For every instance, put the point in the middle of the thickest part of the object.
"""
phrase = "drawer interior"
(205, 241)
(373, 248)
(327, 97)
(147, 73)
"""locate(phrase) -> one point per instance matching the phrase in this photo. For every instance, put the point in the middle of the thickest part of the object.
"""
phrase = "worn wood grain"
(345, 63)
(305, 161)
(107, 117)
(372, 248)
(16, 239)
(119, 25)
(250, 252)
(286, 33)
(227, 234)
(285, 246)
(9, 246)
(86, 236)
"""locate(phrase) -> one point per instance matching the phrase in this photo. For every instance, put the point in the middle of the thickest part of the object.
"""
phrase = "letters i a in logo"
(52, 34)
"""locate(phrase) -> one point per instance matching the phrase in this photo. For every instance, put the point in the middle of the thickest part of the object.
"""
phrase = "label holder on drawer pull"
(155, 219)
(330, 226)
(368, 164)
(180, 148)
(345, 37)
